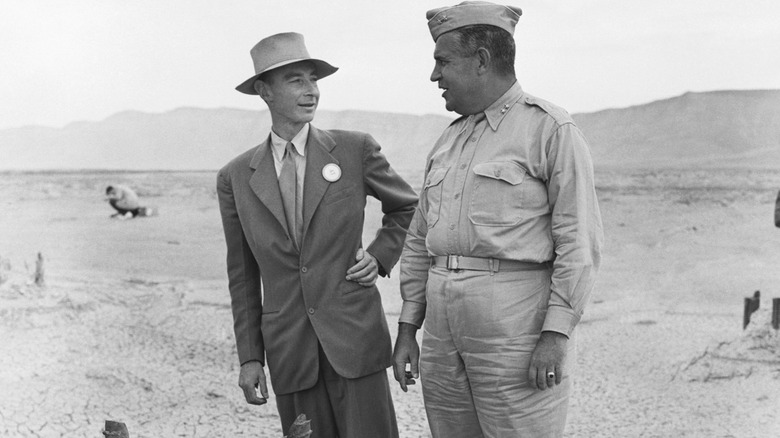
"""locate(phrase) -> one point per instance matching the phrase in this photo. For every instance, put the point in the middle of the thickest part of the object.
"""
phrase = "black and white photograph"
(409, 219)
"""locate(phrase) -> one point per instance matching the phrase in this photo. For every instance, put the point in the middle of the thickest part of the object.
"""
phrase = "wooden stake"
(751, 305)
(776, 313)
(39, 278)
(5, 268)
(115, 429)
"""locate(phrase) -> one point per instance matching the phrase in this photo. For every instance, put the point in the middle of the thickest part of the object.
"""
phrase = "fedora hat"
(280, 50)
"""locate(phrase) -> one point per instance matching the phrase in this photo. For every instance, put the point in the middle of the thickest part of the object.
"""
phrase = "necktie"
(288, 186)
(469, 131)
(476, 118)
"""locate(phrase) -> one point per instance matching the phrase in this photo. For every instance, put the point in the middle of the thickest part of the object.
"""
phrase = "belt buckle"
(452, 262)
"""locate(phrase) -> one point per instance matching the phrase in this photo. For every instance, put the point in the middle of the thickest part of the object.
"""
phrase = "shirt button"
(462, 166)
(452, 226)
(303, 269)
(311, 311)
(473, 138)
(457, 195)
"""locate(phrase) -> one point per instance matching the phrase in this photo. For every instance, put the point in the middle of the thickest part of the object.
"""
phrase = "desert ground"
(133, 322)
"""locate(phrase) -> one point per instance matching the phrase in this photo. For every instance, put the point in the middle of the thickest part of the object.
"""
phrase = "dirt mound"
(756, 351)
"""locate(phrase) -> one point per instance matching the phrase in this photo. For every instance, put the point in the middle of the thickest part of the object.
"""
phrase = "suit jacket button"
(303, 269)
(311, 311)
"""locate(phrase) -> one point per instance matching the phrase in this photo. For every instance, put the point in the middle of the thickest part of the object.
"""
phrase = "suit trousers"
(479, 334)
(342, 408)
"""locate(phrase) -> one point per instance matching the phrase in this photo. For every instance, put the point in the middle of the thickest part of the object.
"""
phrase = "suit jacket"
(305, 296)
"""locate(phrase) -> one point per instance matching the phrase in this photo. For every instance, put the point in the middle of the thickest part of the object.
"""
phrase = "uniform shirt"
(516, 185)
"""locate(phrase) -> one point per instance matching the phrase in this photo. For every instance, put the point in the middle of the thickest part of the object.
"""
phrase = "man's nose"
(311, 88)
(435, 75)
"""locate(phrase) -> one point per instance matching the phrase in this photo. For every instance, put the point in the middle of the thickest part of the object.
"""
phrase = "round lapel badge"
(331, 172)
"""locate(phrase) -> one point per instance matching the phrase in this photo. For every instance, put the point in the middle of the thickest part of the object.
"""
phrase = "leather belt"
(456, 262)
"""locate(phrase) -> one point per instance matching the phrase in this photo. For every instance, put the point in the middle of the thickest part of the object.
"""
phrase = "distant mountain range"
(695, 130)
(711, 129)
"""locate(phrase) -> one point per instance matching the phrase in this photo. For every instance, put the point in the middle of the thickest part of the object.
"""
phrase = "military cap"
(468, 13)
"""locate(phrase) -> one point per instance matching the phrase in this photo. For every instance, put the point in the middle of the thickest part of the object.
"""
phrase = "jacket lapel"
(265, 183)
(318, 149)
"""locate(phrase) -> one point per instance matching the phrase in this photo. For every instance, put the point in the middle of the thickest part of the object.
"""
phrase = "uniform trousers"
(479, 333)
(342, 408)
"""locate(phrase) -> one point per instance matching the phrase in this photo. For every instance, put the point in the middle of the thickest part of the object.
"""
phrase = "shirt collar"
(299, 142)
(497, 110)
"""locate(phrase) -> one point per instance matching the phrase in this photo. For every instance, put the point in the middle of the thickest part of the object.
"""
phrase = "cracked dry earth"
(134, 324)
(136, 352)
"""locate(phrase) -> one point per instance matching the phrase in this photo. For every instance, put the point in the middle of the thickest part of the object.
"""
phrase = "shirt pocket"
(497, 199)
(433, 194)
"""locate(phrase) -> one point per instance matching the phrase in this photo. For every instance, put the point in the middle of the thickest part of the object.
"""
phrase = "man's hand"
(406, 351)
(250, 378)
(365, 271)
(547, 360)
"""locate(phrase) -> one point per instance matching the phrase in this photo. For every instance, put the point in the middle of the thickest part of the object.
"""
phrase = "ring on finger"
(550, 375)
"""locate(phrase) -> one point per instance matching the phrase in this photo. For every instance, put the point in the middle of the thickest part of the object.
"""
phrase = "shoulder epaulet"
(559, 114)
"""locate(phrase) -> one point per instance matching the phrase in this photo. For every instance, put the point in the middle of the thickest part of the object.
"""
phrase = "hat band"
(282, 64)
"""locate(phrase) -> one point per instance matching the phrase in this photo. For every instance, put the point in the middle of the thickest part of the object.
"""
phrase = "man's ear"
(262, 89)
(485, 60)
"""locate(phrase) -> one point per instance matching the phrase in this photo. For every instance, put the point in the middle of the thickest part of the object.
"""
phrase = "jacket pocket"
(272, 303)
(331, 198)
(432, 190)
(354, 289)
(497, 199)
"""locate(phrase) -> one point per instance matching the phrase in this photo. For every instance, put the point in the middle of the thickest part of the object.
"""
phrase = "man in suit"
(292, 211)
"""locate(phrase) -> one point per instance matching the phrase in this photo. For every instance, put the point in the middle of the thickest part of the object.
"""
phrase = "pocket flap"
(331, 197)
(505, 171)
(435, 176)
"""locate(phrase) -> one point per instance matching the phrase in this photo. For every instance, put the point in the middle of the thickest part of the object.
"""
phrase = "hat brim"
(322, 68)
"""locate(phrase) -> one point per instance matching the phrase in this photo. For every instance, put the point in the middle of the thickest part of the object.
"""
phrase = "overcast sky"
(76, 60)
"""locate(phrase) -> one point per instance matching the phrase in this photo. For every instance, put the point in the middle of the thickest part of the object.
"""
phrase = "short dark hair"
(109, 189)
(265, 77)
(497, 41)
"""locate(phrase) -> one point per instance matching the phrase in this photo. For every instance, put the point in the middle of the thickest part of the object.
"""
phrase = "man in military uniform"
(503, 249)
